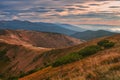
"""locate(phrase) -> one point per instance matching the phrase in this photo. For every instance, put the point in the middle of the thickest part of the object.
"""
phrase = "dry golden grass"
(102, 66)
(105, 65)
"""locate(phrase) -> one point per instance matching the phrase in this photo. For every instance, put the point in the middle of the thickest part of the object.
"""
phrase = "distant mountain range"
(88, 35)
(38, 26)
(66, 29)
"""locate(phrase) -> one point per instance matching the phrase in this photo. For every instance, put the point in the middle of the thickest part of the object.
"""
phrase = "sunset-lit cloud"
(63, 11)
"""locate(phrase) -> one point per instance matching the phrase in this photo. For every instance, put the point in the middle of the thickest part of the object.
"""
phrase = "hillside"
(23, 52)
(89, 35)
(104, 65)
(38, 39)
(37, 26)
(18, 59)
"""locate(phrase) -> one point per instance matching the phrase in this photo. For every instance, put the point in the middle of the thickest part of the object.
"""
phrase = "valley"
(24, 58)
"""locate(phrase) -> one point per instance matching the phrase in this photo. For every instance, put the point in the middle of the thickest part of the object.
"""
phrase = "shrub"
(13, 78)
(102, 43)
(3, 52)
(109, 45)
(66, 59)
(87, 51)
(3, 56)
(106, 44)
(1, 76)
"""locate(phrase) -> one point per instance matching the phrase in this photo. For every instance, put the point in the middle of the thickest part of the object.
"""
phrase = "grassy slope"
(24, 59)
(105, 65)
(20, 59)
(37, 39)
(24, 56)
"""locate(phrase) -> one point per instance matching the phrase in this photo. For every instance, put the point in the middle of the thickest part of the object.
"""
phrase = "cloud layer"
(63, 11)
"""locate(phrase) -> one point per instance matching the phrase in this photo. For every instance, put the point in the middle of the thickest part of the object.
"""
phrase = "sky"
(76, 12)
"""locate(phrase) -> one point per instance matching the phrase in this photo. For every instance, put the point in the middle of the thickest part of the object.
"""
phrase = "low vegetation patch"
(106, 44)
(22, 74)
(3, 56)
(13, 78)
(85, 52)
(67, 59)
(3, 52)
(29, 72)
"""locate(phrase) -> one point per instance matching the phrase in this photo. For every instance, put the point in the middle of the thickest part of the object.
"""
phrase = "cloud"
(94, 4)
(66, 11)
(59, 10)
(95, 27)
(81, 6)
(114, 7)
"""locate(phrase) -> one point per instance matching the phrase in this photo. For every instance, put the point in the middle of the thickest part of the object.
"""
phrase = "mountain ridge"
(89, 35)
(36, 26)
(38, 39)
